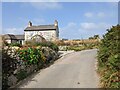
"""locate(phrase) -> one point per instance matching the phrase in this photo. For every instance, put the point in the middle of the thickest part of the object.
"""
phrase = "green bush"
(75, 48)
(31, 56)
(53, 46)
(21, 75)
(109, 58)
(49, 44)
(15, 44)
(44, 44)
(84, 46)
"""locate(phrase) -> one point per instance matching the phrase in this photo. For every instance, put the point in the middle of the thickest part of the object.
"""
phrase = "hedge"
(109, 58)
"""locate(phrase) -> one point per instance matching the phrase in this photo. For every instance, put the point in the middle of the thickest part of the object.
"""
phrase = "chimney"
(56, 23)
(29, 24)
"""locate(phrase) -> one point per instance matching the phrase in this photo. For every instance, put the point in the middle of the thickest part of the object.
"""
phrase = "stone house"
(48, 32)
(10, 38)
(39, 33)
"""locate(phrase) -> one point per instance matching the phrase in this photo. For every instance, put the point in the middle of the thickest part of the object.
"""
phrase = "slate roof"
(13, 37)
(19, 36)
(41, 28)
(9, 36)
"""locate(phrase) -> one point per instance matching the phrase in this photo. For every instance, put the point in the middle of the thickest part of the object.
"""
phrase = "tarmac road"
(74, 70)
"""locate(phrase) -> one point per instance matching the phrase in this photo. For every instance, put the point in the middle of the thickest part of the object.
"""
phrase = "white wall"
(8, 41)
(48, 35)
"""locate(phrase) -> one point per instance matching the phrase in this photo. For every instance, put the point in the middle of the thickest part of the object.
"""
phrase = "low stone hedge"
(15, 69)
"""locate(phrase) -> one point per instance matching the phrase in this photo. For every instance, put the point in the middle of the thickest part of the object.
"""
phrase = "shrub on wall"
(44, 44)
(31, 56)
(15, 44)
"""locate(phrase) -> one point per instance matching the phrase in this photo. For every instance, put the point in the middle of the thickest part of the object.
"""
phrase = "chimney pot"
(56, 23)
(29, 24)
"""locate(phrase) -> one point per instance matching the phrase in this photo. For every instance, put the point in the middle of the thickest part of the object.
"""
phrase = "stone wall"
(49, 35)
(19, 69)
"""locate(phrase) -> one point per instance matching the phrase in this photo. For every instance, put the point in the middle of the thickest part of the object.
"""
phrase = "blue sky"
(76, 19)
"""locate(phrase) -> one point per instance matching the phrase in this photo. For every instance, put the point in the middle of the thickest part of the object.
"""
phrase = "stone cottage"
(48, 32)
(10, 38)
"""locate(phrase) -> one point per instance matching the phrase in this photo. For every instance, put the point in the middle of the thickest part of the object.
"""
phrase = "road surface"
(74, 70)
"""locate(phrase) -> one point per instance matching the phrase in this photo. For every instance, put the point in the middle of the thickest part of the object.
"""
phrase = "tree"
(96, 36)
(91, 38)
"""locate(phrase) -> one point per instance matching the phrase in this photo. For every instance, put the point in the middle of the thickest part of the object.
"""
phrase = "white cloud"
(46, 5)
(70, 27)
(97, 15)
(71, 24)
(87, 26)
(69, 31)
(94, 26)
(88, 14)
(13, 31)
(83, 30)
(101, 14)
(88, 29)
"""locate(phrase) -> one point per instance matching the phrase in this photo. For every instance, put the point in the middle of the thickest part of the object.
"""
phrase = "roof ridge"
(46, 25)
(19, 34)
(42, 25)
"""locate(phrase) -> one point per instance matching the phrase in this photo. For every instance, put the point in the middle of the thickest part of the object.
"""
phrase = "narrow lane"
(75, 70)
